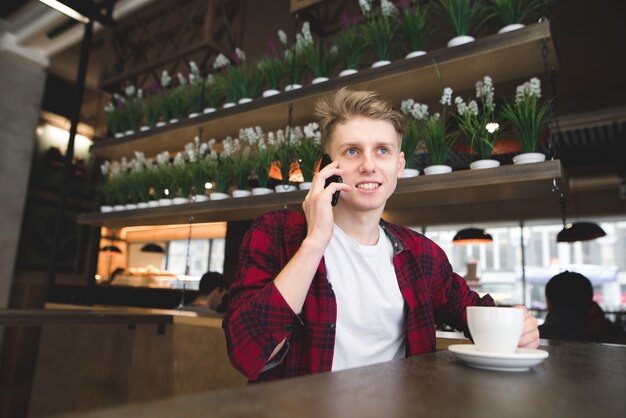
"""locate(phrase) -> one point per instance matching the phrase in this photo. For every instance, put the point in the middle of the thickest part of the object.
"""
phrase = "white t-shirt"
(370, 308)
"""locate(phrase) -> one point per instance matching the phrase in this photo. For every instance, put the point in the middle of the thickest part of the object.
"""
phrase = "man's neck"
(361, 227)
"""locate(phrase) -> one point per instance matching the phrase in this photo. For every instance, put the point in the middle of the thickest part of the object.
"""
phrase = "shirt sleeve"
(451, 294)
(258, 317)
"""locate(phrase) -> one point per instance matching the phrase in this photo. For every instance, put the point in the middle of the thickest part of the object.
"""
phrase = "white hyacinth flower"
(406, 106)
(446, 97)
(282, 37)
(472, 108)
(240, 54)
(210, 80)
(535, 87)
(220, 61)
(181, 79)
(140, 93)
(388, 8)
(165, 79)
(110, 107)
(179, 160)
(130, 91)
(460, 105)
(419, 111)
(366, 6)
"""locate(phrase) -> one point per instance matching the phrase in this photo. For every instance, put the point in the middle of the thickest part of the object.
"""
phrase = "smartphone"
(332, 179)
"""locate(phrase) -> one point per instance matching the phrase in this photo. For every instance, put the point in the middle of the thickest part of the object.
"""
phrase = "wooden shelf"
(506, 183)
(504, 57)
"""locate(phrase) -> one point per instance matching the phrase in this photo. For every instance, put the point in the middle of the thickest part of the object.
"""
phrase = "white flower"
(419, 111)
(334, 50)
(125, 165)
(140, 93)
(436, 116)
(130, 91)
(535, 87)
(529, 89)
(311, 130)
(388, 8)
(110, 107)
(220, 61)
(240, 54)
(105, 168)
(485, 90)
(460, 105)
(192, 78)
(472, 108)
(210, 80)
(165, 79)
(271, 139)
(366, 6)
(306, 34)
(181, 79)
(282, 37)
(204, 147)
(140, 156)
(406, 106)
(194, 68)
(446, 97)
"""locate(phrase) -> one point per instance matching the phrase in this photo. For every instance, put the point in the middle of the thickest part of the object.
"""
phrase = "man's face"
(369, 153)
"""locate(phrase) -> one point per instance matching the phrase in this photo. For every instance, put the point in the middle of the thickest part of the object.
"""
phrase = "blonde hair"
(348, 104)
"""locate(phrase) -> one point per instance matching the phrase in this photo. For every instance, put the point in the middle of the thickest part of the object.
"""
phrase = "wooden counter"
(577, 380)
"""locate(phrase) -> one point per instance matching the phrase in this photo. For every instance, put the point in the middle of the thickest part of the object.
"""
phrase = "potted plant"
(182, 182)
(115, 116)
(272, 69)
(220, 170)
(412, 24)
(195, 91)
(476, 120)
(351, 45)
(410, 139)
(379, 29)
(308, 151)
(212, 94)
(165, 109)
(162, 179)
(107, 189)
(239, 159)
(198, 167)
(284, 158)
(176, 100)
(528, 116)
(317, 59)
(151, 107)
(292, 56)
(433, 130)
(139, 181)
(132, 109)
(512, 13)
(463, 16)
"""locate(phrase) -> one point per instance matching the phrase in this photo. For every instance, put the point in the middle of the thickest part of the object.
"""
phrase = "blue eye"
(383, 150)
(351, 151)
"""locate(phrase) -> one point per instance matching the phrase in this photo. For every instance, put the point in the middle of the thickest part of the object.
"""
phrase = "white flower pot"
(305, 185)
(119, 208)
(460, 40)
(380, 63)
(106, 208)
(282, 188)
(193, 115)
(129, 132)
(414, 54)
(437, 169)
(529, 157)
(165, 202)
(257, 191)
(130, 206)
(410, 172)
(209, 110)
(291, 87)
(200, 198)
(119, 134)
(160, 123)
(270, 92)
(173, 120)
(229, 104)
(142, 205)
(180, 200)
(317, 80)
(348, 71)
(486, 163)
(241, 193)
(153, 203)
(144, 128)
(245, 100)
(511, 27)
(219, 196)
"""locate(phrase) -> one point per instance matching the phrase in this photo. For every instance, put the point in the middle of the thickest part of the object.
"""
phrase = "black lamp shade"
(580, 231)
(472, 236)
(152, 248)
(111, 249)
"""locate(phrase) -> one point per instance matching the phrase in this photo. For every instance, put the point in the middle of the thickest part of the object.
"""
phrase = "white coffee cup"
(495, 329)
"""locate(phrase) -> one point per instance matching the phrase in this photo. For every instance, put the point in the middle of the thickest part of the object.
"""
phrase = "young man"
(338, 287)
(211, 292)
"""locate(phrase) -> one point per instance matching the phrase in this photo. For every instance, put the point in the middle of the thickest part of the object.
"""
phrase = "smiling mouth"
(368, 186)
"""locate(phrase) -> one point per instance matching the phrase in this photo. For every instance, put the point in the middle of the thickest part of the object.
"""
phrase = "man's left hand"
(530, 331)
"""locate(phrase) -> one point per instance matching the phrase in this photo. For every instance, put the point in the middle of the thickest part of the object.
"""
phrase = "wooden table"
(577, 380)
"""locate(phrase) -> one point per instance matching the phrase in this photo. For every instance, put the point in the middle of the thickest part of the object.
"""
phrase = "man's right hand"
(318, 208)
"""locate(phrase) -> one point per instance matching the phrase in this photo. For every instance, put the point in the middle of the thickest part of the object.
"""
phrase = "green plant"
(464, 15)
(176, 99)
(284, 155)
(115, 116)
(516, 11)
(151, 110)
(434, 130)
(412, 24)
(317, 59)
(528, 115)
(351, 43)
(411, 134)
(307, 149)
(212, 95)
(378, 31)
(477, 119)
(272, 71)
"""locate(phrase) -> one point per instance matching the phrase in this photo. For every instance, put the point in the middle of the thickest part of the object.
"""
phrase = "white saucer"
(520, 361)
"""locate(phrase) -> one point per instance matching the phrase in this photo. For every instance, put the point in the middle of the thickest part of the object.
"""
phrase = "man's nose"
(368, 164)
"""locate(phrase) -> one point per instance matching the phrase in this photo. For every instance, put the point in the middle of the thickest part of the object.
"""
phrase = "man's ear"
(401, 164)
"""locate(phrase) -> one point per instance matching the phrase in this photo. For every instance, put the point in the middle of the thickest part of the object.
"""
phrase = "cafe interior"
(100, 97)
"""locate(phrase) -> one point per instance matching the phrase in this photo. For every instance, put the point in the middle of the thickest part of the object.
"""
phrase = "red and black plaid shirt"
(258, 318)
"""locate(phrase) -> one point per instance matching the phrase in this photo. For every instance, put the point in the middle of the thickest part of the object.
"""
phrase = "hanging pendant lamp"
(577, 231)
(111, 249)
(472, 236)
(580, 231)
(152, 248)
